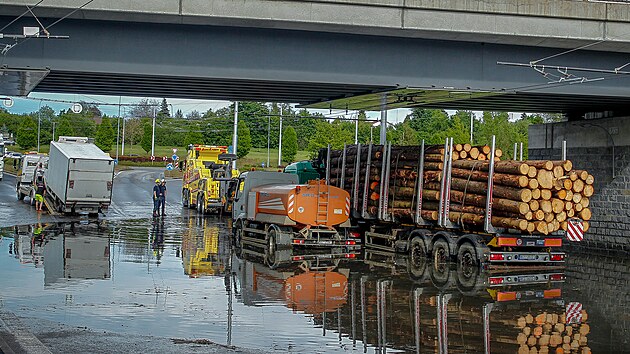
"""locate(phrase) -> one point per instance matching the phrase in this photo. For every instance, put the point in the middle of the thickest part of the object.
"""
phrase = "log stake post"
(366, 181)
(420, 185)
(487, 308)
(487, 223)
(328, 165)
(521, 155)
(388, 167)
(343, 168)
(382, 185)
(355, 187)
(445, 186)
(448, 165)
(564, 150)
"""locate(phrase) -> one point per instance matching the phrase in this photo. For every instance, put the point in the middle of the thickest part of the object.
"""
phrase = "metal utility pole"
(472, 119)
(383, 127)
(39, 122)
(123, 138)
(235, 136)
(268, 138)
(53, 123)
(118, 128)
(356, 129)
(280, 140)
(153, 136)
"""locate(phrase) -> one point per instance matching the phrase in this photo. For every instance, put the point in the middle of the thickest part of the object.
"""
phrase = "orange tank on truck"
(314, 204)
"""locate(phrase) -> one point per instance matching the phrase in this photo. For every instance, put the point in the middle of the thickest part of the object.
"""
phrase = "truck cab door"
(240, 199)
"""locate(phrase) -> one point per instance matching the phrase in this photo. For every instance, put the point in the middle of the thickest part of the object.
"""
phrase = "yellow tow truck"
(208, 176)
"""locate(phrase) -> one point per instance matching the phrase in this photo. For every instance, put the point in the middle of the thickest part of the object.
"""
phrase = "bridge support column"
(383, 127)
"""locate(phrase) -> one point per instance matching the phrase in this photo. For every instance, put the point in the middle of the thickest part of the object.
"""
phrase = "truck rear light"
(70, 184)
(350, 255)
(351, 243)
(557, 257)
(556, 277)
(299, 242)
(553, 242)
(496, 257)
(109, 186)
(495, 280)
(297, 258)
(354, 234)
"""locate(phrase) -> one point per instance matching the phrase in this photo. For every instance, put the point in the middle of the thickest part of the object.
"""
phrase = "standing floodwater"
(178, 278)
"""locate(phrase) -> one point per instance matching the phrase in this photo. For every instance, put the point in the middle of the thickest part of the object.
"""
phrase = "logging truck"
(460, 201)
(272, 211)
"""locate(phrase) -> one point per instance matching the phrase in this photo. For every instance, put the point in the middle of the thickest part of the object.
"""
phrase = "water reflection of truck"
(79, 177)
(314, 285)
(204, 252)
(461, 310)
(2, 149)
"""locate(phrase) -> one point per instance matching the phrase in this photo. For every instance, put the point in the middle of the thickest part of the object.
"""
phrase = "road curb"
(15, 337)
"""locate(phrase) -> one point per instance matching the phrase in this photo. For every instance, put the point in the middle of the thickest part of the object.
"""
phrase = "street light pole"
(53, 123)
(472, 119)
(123, 138)
(280, 140)
(235, 136)
(39, 122)
(383, 127)
(118, 128)
(153, 135)
(268, 138)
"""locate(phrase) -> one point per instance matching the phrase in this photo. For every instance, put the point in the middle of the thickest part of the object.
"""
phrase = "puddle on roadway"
(157, 278)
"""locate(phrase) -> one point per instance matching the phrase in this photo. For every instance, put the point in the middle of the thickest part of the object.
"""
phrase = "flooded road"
(179, 278)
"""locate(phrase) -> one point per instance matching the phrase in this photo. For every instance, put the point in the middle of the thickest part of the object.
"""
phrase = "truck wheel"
(440, 253)
(270, 255)
(417, 257)
(32, 198)
(185, 199)
(20, 196)
(467, 256)
(238, 238)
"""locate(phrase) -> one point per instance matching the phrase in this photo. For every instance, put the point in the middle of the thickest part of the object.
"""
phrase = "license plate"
(86, 208)
(325, 242)
(526, 257)
(527, 278)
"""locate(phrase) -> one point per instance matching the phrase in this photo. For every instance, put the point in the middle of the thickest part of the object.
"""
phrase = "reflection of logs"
(548, 333)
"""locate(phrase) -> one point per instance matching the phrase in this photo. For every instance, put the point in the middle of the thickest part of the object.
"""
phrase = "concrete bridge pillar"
(601, 146)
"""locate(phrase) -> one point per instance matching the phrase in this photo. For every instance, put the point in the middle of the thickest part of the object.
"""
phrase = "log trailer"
(207, 177)
(273, 212)
(418, 199)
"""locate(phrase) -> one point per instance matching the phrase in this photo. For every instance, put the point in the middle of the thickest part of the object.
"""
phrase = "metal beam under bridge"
(238, 63)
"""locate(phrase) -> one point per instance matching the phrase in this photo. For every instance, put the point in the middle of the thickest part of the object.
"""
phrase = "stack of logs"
(529, 196)
(549, 333)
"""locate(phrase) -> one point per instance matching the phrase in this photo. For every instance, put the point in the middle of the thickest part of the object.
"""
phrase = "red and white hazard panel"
(574, 312)
(575, 230)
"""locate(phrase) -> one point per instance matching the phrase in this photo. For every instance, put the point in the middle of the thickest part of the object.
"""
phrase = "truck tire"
(272, 246)
(20, 196)
(185, 198)
(237, 238)
(440, 253)
(32, 198)
(466, 255)
(417, 257)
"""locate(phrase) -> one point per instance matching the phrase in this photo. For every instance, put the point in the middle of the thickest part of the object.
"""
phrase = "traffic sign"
(7, 102)
(575, 230)
(152, 158)
(169, 167)
(175, 157)
(164, 158)
(115, 161)
(174, 151)
(77, 108)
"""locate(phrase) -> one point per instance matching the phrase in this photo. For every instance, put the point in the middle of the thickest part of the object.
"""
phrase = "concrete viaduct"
(355, 54)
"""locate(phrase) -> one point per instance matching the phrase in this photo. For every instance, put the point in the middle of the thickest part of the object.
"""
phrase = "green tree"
(329, 133)
(244, 140)
(146, 137)
(193, 136)
(163, 112)
(289, 144)
(179, 114)
(64, 128)
(27, 133)
(104, 135)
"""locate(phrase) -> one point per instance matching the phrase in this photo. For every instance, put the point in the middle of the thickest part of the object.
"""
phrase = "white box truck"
(80, 176)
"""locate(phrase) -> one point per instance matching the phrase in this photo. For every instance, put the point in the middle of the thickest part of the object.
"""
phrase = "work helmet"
(163, 180)
(157, 180)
